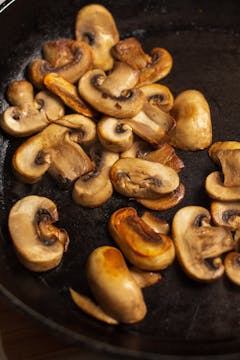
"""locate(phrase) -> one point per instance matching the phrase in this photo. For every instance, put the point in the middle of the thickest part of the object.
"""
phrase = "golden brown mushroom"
(214, 185)
(232, 267)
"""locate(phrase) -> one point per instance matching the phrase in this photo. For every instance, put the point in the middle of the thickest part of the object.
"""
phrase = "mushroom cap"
(226, 214)
(96, 26)
(158, 95)
(232, 267)
(216, 190)
(39, 245)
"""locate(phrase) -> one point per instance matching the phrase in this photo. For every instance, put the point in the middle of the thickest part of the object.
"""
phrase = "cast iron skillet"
(184, 317)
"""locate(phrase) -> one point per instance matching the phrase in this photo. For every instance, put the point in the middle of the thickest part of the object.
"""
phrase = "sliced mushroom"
(68, 93)
(140, 243)
(39, 245)
(55, 150)
(145, 278)
(113, 286)
(138, 149)
(226, 214)
(193, 129)
(232, 267)
(216, 190)
(143, 179)
(95, 188)
(152, 68)
(158, 95)
(92, 89)
(96, 26)
(198, 244)
(220, 146)
(66, 57)
(29, 115)
(230, 162)
(158, 225)
(114, 134)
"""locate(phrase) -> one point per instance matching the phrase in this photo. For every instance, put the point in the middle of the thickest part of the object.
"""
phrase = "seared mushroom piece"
(145, 278)
(140, 243)
(232, 267)
(221, 146)
(215, 188)
(138, 149)
(114, 134)
(158, 95)
(96, 26)
(140, 178)
(198, 244)
(55, 150)
(66, 57)
(92, 88)
(29, 114)
(226, 214)
(152, 68)
(95, 188)
(39, 245)
(230, 162)
(193, 129)
(158, 225)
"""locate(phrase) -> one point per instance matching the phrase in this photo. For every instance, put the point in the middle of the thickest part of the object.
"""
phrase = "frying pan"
(184, 317)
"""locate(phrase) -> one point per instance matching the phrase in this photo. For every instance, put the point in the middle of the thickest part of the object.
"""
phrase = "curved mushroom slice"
(68, 94)
(114, 134)
(158, 225)
(95, 188)
(221, 146)
(164, 202)
(193, 129)
(152, 68)
(232, 267)
(113, 286)
(92, 88)
(198, 244)
(145, 278)
(216, 190)
(230, 162)
(29, 115)
(66, 57)
(138, 149)
(158, 95)
(54, 150)
(96, 26)
(226, 214)
(143, 179)
(39, 245)
(141, 245)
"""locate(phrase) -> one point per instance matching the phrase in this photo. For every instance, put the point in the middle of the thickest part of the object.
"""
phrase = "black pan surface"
(184, 317)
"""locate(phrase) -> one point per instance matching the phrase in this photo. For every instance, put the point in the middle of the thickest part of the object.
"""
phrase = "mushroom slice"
(143, 179)
(158, 95)
(216, 190)
(66, 57)
(158, 225)
(39, 245)
(193, 129)
(232, 267)
(114, 134)
(141, 245)
(221, 146)
(230, 162)
(138, 149)
(95, 188)
(113, 286)
(96, 26)
(29, 115)
(152, 68)
(164, 202)
(92, 88)
(68, 93)
(226, 214)
(198, 244)
(145, 278)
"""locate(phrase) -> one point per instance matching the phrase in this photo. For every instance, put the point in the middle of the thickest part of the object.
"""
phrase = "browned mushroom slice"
(143, 179)
(68, 93)
(152, 68)
(216, 190)
(39, 245)
(96, 26)
(158, 225)
(29, 115)
(164, 202)
(232, 267)
(66, 57)
(158, 95)
(230, 162)
(142, 246)
(92, 88)
(193, 129)
(138, 149)
(198, 244)
(145, 278)
(221, 146)
(226, 214)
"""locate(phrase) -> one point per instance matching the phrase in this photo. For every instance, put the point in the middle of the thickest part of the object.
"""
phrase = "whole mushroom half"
(39, 245)
(198, 244)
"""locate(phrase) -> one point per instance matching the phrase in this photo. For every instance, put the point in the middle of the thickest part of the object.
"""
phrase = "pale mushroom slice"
(152, 67)
(56, 150)
(92, 89)
(140, 178)
(193, 129)
(215, 188)
(96, 26)
(66, 57)
(145, 278)
(222, 146)
(198, 244)
(29, 114)
(157, 224)
(39, 245)
(140, 243)
(95, 188)
(230, 163)
(158, 95)
(232, 267)
(114, 134)
(226, 214)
